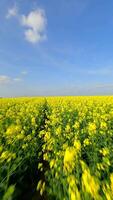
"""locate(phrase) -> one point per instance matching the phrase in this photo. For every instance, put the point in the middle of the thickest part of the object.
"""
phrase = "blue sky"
(50, 47)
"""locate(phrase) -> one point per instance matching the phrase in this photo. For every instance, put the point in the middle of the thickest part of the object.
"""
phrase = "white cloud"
(24, 72)
(4, 79)
(35, 24)
(12, 12)
(17, 79)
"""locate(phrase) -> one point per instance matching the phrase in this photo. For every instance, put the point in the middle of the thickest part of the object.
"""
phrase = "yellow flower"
(6, 155)
(33, 120)
(65, 145)
(107, 191)
(111, 179)
(104, 151)
(41, 187)
(76, 125)
(45, 156)
(58, 130)
(69, 158)
(69, 154)
(72, 195)
(20, 137)
(87, 142)
(13, 130)
(73, 189)
(92, 127)
(89, 184)
(67, 129)
(77, 145)
(52, 162)
(103, 125)
(47, 136)
(100, 166)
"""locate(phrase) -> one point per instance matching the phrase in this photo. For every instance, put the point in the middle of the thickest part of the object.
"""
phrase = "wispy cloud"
(35, 24)
(17, 79)
(4, 79)
(24, 72)
(12, 12)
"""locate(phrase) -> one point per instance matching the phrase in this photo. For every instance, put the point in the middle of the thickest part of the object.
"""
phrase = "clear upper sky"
(56, 47)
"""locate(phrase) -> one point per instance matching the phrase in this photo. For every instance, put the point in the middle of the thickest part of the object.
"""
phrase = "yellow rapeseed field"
(56, 148)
